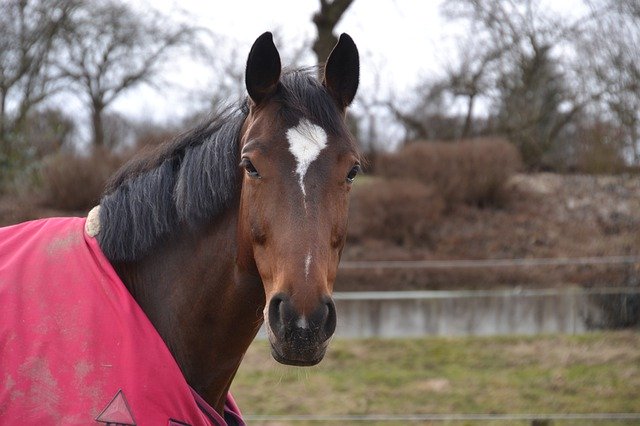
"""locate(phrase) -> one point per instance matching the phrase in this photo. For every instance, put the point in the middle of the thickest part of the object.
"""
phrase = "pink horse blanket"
(75, 347)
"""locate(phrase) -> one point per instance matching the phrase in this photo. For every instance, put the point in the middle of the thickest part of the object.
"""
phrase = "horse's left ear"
(342, 71)
(263, 68)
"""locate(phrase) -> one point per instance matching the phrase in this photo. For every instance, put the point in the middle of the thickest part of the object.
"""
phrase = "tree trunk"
(98, 128)
(467, 121)
(3, 121)
(635, 137)
(325, 21)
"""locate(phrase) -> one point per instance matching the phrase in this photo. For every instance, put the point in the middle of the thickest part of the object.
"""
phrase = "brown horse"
(242, 220)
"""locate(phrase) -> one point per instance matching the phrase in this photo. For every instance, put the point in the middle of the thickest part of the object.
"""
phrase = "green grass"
(593, 373)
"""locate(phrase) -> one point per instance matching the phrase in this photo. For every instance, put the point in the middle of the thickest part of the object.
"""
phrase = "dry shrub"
(473, 172)
(601, 150)
(399, 211)
(75, 182)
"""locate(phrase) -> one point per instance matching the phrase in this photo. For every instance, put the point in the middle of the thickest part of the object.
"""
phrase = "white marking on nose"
(306, 140)
(307, 265)
(302, 322)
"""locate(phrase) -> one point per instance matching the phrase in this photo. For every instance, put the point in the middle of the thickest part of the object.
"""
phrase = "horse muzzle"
(298, 339)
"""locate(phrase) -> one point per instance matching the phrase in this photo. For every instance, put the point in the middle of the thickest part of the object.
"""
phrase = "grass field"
(593, 373)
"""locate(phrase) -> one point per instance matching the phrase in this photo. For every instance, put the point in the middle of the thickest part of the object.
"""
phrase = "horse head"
(298, 160)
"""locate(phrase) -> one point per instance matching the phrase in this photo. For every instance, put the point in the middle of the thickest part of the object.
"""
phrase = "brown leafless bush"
(473, 172)
(600, 150)
(402, 212)
(74, 182)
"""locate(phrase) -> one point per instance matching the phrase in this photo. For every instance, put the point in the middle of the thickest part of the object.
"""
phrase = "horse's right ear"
(263, 68)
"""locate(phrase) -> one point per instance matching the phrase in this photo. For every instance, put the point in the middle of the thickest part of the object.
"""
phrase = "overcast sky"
(397, 40)
(400, 41)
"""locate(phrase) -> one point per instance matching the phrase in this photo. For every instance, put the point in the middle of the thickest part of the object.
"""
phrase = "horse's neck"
(206, 310)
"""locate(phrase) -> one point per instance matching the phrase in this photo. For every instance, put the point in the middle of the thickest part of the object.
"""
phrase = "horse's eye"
(250, 169)
(353, 173)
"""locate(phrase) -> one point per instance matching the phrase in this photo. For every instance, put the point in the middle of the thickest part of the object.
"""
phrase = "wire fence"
(405, 418)
(488, 263)
(464, 294)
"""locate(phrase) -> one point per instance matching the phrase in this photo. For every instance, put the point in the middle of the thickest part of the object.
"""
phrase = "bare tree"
(112, 48)
(611, 50)
(29, 36)
(471, 75)
(518, 63)
(530, 106)
(325, 21)
(470, 78)
(426, 116)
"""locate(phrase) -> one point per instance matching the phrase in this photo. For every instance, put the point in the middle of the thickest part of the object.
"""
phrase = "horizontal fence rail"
(445, 417)
(488, 263)
(456, 294)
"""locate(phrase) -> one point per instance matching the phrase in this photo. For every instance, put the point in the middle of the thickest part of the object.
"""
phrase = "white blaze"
(306, 140)
(307, 265)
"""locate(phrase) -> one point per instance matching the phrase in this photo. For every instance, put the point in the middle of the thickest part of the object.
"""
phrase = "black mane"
(196, 177)
(192, 177)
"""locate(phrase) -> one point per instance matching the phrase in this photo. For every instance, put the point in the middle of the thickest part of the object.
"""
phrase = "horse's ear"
(342, 71)
(263, 68)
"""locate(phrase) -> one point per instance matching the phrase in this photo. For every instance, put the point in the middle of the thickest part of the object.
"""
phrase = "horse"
(238, 222)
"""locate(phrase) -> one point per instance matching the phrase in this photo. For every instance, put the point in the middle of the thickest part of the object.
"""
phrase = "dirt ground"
(547, 216)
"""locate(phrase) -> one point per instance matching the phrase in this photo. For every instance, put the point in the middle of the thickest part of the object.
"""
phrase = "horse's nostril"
(277, 315)
(330, 318)
(286, 322)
